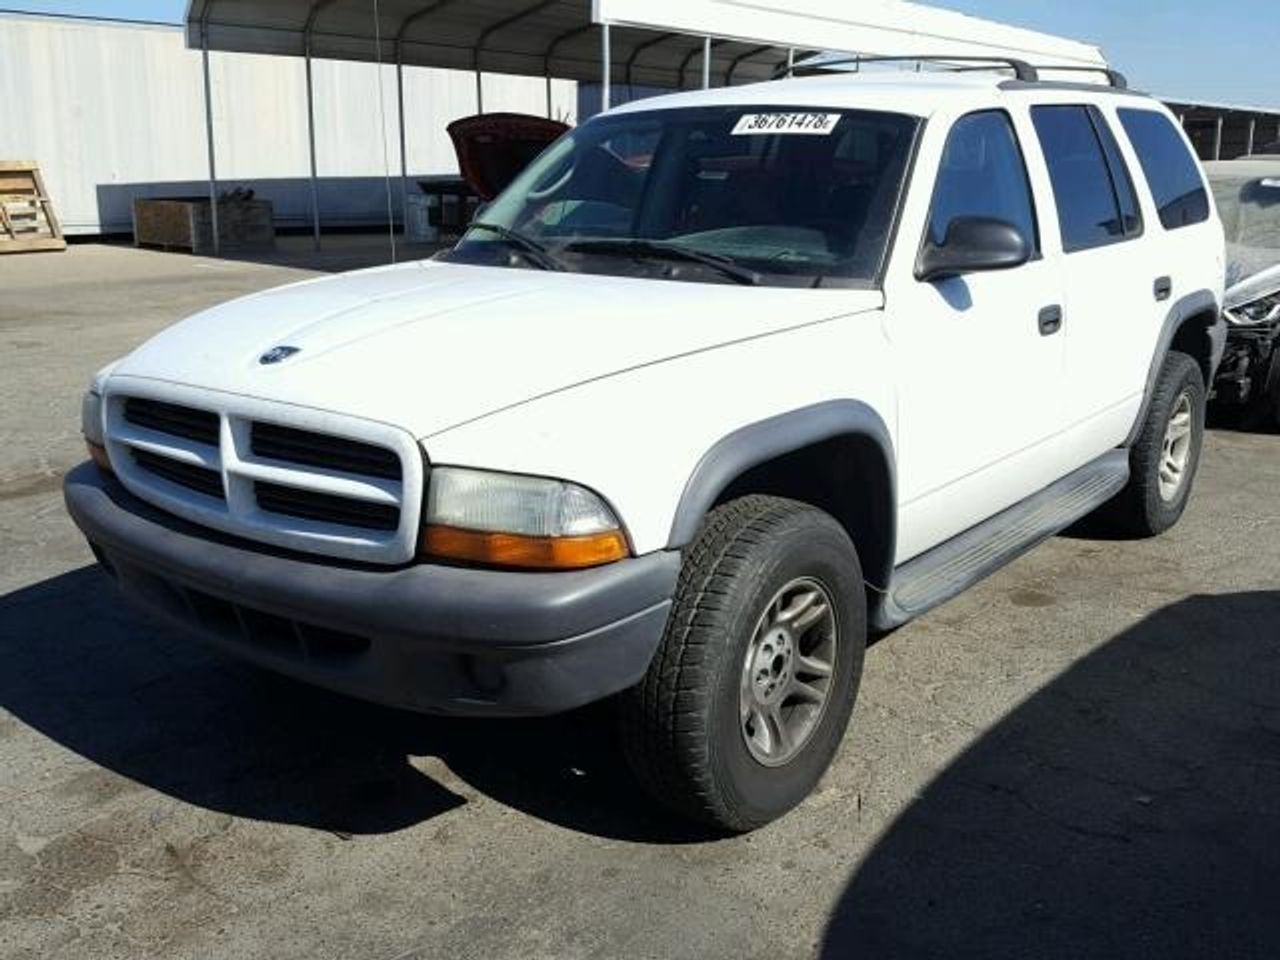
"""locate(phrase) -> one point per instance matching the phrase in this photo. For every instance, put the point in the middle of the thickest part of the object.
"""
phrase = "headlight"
(1264, 310)
(91, 427)
(507, 520)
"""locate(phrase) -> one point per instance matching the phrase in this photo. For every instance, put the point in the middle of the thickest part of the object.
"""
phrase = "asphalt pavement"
(1078, 758)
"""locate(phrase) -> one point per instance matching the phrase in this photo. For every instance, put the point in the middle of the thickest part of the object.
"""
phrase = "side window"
(1089, 198)
(1170, 169)
(983, 175)
(1120, 178)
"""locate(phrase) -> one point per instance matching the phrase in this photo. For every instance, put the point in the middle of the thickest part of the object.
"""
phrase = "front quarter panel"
(637, 438)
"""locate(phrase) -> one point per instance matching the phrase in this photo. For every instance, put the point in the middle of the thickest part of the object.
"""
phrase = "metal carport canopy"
(651, 43)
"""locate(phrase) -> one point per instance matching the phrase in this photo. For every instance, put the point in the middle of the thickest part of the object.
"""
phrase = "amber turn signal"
(529, 553)
(98, 454)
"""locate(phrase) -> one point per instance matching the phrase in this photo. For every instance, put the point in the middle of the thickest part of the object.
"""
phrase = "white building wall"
(111, 111)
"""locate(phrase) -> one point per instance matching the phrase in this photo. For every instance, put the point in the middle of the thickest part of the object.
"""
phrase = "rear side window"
(1171, 170)
(1091, 187)
(983, 175)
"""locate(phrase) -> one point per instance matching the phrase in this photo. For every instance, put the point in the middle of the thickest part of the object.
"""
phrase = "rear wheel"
(750, 692)
(1164, 459)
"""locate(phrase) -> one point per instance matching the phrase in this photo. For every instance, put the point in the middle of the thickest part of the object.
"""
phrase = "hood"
(429, 345)
(493, 148)
(1254, 286)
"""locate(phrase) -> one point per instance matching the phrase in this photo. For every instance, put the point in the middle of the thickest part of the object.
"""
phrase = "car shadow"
(1131, 808)
(162, 709)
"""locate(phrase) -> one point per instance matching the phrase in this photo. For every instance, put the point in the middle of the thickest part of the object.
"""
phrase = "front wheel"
(748, 697)
(1164, 459)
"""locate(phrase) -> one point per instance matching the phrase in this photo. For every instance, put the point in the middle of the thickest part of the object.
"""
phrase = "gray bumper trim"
(439, 638)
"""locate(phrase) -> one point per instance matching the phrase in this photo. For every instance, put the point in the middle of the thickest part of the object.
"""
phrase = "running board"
(934, 577)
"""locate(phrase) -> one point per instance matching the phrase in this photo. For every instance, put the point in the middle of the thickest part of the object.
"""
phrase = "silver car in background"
(1248, 196)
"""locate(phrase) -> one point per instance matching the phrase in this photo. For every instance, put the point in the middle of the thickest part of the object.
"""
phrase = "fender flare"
(1191, 305)
(765, 440)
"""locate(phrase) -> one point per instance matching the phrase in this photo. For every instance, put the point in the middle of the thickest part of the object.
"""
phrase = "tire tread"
(1138, 509)
(662, 716)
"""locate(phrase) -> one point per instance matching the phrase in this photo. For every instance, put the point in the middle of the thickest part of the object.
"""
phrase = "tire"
(743, 588)
(1151, 503)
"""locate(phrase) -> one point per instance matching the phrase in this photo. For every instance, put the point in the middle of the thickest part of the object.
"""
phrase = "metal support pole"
(208, 132)
(311, 143)
(1253, 129)
(1217, 140)
(606, 77)
(550, 114)
(791, 62)
(706, 63)
(479, 92)
(404, 151)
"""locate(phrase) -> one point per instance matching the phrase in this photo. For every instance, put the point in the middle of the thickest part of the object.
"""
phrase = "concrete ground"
(1078, 758)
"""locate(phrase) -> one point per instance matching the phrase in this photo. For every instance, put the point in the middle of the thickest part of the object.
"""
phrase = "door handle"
(1163, 288)
(1050, 320)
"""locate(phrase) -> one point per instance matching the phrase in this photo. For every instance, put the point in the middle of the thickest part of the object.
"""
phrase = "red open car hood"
(494, 147)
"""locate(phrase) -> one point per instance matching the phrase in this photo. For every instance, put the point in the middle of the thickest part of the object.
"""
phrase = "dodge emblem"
(276, 354)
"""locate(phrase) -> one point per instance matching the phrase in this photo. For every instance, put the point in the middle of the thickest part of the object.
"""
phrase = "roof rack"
(1022, 70)
(1114, 77)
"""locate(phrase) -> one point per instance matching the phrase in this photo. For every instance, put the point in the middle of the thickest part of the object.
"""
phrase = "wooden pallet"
(27, 220)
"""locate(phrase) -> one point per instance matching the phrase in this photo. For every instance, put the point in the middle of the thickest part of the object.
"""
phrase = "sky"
(1219, 52)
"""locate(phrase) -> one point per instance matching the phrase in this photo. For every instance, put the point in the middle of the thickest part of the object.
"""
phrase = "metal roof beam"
(733, 64)
(684, 64)
(512, 21)
(417, 15)
(562, 39)
(642, 47)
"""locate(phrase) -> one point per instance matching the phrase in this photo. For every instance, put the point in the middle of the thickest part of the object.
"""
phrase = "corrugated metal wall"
(111, 111)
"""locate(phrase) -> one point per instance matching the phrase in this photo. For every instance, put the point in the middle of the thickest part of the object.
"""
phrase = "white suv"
(723, 381)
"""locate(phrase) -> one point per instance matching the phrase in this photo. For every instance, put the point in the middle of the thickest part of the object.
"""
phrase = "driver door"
(979, 360)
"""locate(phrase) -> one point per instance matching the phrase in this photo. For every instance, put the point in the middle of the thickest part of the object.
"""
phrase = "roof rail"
(1022, 70)
(1114, 77)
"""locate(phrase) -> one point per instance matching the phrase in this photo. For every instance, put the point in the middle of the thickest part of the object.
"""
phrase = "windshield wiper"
(635, 246)
(535, 252)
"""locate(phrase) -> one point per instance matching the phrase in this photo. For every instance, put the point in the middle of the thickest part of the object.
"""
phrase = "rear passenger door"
(1109, 274)
(1183, 229)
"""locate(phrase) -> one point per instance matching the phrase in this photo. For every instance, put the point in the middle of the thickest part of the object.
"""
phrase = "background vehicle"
(1248, 197)
(722, 382)
(493, 148)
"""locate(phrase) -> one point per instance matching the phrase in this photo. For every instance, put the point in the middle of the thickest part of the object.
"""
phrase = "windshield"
(712, 195)
(1250, 209)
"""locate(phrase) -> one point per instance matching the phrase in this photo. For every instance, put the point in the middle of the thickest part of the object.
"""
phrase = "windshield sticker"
(810, 124)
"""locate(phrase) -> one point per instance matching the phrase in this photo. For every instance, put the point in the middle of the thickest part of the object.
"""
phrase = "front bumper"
(424, 637)
(1250, 368)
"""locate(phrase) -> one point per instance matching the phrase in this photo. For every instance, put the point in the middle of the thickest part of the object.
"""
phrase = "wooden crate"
(27, 220)
(184, 223)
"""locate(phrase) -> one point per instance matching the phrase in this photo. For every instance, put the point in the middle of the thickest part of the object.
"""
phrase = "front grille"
(200, 479)
(310, 505)
(199, 425)
(275, 442)
(227, 463)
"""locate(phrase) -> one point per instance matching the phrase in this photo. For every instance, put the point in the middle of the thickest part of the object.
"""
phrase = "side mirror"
(973, 245)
